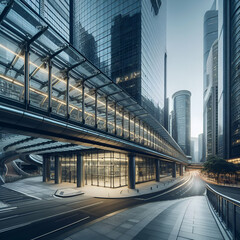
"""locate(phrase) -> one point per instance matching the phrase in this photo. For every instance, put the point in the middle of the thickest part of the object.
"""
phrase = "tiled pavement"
(188, 218)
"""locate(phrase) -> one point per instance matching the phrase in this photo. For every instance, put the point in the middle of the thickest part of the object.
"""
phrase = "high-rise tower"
(210, 36)
(181, 126)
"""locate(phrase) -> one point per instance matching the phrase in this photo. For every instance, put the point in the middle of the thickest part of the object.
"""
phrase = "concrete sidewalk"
(182, 219)
(35, 188)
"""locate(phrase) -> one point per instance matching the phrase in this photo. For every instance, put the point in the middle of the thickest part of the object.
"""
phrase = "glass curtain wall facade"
(211, 101)
(69, 168)
(181, 126)
(107, 169)
(165, 169)
(221, 88)
(56, 13)
(210, 35)
(145, 169)
(229, 79)
(116, 35)
(235, 79)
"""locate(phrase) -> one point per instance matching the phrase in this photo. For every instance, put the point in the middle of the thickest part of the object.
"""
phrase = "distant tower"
(210, 35)
(181, 126)
(211, 102)
(200, 147)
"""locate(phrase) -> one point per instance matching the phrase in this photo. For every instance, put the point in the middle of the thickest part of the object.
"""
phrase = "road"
(50, 219)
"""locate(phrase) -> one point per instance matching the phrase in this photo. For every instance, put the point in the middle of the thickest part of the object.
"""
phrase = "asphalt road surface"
(58, 218)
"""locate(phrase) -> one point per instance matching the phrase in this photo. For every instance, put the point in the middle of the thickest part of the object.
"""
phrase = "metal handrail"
(234, 201)
(227, 209)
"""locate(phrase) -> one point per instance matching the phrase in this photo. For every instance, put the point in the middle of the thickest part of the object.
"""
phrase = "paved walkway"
(182, 219)
(34, 187)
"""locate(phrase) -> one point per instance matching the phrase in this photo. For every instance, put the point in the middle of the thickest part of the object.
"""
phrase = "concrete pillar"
(157, 164)
(58, 170)
(46, 169)
(174, 170)
(80, 178)
(181, 170)
(131, 171)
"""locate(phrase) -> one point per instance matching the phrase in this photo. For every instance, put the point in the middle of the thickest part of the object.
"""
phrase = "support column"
(129, 126)
(131, 171)
(181, 170)
(106, 114)
(139, 132)
(174, 170)
(115, 118)
(46, 169)
(58, 170)
(157, 164)
(134, 129)
(123, 122)
(26, 76)
(96, 106)
(67, 96)
(49, 87)
(83, 103)
(80, 179)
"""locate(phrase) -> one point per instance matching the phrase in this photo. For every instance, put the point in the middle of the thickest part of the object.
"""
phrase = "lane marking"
(7, 209)
(13, 227)
(145, 199)
(1, 219)
(58, 229)
(41, 219)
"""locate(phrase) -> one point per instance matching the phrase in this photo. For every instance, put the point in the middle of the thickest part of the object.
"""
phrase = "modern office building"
(200, 147)
(127, 41)
(211, 102)
(181, 126)
(210, 35)
(229, 79)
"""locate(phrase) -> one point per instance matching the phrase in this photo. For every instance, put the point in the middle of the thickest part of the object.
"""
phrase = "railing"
(228, 210)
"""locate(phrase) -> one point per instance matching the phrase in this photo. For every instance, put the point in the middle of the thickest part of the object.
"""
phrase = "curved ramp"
(7, 157)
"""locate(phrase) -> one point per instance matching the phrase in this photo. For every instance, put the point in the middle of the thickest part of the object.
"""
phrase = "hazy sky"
(185, 53)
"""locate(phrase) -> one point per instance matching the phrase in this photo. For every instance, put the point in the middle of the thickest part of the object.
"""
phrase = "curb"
(136, 196)
(67, 196)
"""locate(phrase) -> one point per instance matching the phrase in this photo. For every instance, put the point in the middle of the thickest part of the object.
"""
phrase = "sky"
(185, 54)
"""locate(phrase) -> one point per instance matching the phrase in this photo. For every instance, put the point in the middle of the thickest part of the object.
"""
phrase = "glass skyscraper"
(210, 36)
(181, 125)
(211, 102)
(229, 79)
(127, 41)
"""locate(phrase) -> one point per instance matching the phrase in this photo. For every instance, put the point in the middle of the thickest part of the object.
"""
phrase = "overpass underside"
(49, 90)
